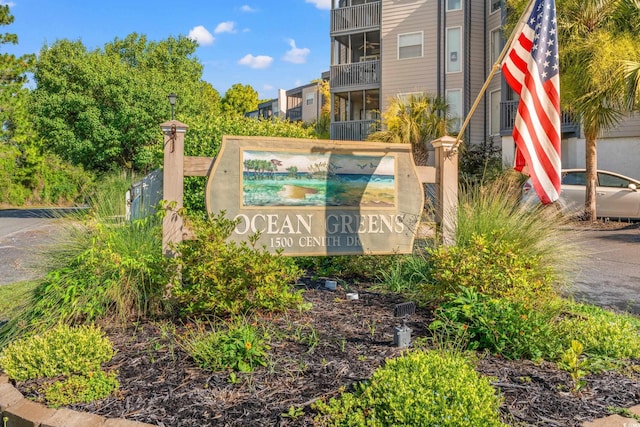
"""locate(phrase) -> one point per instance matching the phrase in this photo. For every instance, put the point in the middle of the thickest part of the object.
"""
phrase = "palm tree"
(595, 38)
(417, 120)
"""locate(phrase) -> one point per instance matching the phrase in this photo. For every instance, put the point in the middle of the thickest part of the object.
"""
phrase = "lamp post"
(172, 100)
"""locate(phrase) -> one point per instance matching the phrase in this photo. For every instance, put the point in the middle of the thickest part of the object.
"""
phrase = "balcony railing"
(355, 74)
(509, 109)
(355, 130)
(294, 114)
(360, 17)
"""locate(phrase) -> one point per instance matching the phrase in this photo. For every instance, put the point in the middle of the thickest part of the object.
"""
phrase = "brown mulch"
(315, 354)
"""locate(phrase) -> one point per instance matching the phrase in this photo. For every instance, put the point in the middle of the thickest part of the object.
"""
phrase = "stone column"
(446, 188)
(173, 184)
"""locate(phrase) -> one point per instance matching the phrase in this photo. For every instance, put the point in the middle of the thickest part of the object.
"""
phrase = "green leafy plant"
(493, 208)
(81, 388)
(294, 412)
(228, 278)
(492, 266)
(102, 267)
(504, 327)
(603, 333)
(238, 346)
(419, 388)
(571, 360)
(62, 350)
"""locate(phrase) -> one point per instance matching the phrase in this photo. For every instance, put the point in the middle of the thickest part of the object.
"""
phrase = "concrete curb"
(21, 412)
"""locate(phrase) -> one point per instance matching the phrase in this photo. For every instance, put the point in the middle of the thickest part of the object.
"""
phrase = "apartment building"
(303, 103)
(383, 49)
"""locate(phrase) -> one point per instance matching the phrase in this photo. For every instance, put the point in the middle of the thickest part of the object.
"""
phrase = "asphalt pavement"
(24, 235)
(609, 273)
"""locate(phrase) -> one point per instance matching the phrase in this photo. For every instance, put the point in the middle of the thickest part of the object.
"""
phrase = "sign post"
(173, 184)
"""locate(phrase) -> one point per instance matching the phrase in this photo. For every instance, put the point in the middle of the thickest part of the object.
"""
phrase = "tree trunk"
(591, 153)
(420, 153)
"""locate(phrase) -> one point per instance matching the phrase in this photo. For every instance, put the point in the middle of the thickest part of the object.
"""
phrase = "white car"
(617, 196)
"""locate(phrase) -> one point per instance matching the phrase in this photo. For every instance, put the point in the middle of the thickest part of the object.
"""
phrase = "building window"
(496, 45)
(454, 50)
(494, 119)
(410, 45)
(454, 102)
(496, 5)
(310, 98)
(454, 5)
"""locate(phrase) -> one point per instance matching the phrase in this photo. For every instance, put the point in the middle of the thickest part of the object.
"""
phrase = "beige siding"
(310, 112)
(407, 75)
(630, 127)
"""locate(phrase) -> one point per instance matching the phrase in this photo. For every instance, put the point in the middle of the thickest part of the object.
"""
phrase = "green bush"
(493, 210)
(62, 350)
(492, 266)
(102, 266)
(602, 333)
(228, 278)
(419, 389)
(511, 329)
(81, 388)
(238, 346)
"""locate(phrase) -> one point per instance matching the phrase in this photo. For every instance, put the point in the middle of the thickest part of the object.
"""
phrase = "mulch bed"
(315, 355)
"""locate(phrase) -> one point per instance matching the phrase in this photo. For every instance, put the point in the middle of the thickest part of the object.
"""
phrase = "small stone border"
(22, 412)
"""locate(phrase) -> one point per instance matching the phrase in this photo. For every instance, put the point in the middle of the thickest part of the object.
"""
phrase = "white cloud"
(321, 4)
(296, 55)
(201, 35)
(247, 8)
(257, 62)
(267, 87)
(225, 27)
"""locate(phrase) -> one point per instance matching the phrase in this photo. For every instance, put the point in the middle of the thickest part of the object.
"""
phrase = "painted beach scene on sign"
(283, 178)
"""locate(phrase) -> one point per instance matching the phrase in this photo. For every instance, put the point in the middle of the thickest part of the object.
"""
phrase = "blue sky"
(268, 45)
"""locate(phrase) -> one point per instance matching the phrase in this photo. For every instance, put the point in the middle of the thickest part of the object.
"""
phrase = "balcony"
(355, 130)
(508, 110)
(355, 75)
(294, 114)
(360, 17)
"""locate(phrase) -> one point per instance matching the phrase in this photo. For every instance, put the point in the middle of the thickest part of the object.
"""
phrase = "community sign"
(318, 197)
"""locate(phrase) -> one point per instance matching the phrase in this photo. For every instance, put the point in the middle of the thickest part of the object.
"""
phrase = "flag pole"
(494, 69)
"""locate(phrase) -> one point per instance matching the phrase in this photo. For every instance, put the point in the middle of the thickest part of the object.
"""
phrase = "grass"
(13, 297)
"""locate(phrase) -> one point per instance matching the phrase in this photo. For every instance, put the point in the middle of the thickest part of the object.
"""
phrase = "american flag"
(531, 69)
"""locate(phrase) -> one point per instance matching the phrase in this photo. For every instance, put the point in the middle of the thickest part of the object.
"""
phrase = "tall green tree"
(417, 120)
(13, 93)
(101, 109)
(240, 99)
(595, 39)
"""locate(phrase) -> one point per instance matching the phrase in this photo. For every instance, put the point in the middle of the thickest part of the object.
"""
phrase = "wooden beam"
(197, 166)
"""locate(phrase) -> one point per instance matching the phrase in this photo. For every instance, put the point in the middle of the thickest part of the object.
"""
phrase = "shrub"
(62, 350)
(102, 266)
(228, 278)
(418, 389)
(239, 346)
(492, 266)
(493, 210)
(81, 388)
(509, 328)
(602, 333)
